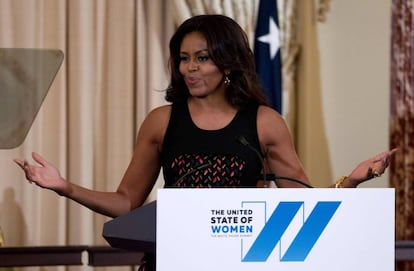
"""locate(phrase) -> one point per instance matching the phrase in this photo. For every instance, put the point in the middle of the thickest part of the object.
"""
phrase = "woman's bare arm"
(135, 185)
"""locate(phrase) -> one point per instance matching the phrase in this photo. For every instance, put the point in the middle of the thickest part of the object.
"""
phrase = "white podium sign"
(275, 229)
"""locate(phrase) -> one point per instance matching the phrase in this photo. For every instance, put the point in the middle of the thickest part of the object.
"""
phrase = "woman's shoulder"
(155, 123)
(162, 111)
(158, 117)
(270, 124)
(265, 112)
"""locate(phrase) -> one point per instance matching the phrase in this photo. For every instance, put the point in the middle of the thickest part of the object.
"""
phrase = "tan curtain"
(288, 24)
(112, 75)
(310, 137)
(244, 12)
(24, 209)
(290, 33)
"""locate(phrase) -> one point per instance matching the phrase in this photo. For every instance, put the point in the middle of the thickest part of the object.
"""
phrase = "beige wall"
(354, 46)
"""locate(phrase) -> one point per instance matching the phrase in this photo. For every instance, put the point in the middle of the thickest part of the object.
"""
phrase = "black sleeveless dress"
(197, 158)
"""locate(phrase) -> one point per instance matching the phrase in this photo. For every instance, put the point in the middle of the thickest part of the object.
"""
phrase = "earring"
(226, 79)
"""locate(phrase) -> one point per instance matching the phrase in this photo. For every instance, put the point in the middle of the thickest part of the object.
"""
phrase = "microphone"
(190, 172)
(243, 140)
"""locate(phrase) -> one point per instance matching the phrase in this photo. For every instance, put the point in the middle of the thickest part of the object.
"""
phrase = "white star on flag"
(272, 38)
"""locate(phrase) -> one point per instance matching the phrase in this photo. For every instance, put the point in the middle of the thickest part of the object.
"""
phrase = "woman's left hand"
(368, 169)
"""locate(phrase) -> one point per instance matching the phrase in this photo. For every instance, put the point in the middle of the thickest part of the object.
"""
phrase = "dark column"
(402, 120)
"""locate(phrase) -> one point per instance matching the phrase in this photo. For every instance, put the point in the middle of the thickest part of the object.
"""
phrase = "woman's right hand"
(44, 174)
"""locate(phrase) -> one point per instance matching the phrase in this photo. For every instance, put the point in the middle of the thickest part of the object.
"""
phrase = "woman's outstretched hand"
(43, 174)
(371, 168)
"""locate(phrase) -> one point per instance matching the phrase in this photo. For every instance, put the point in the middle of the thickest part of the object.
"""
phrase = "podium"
(264, 229)
(133, 231)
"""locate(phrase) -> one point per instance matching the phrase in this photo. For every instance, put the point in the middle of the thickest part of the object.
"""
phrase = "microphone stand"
(243, 140)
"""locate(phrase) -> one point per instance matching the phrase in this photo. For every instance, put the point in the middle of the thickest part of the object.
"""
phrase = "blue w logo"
(277, 224)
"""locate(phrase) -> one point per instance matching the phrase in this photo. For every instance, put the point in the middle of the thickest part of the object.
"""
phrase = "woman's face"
(201, 75)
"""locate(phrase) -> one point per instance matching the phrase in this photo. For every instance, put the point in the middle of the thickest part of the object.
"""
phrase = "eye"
(203, 58)
(184, 58)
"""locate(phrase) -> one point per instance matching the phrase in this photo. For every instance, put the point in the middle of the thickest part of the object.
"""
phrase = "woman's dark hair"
(228, 48)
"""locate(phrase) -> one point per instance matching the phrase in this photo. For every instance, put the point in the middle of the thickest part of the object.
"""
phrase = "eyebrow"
(198, 52)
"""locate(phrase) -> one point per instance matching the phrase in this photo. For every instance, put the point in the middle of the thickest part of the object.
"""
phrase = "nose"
(192, 65)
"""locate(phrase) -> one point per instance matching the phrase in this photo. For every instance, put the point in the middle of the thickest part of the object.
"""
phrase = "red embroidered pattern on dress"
(203, 171)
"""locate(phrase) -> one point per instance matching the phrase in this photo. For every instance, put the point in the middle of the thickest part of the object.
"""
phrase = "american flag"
(267, 52)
